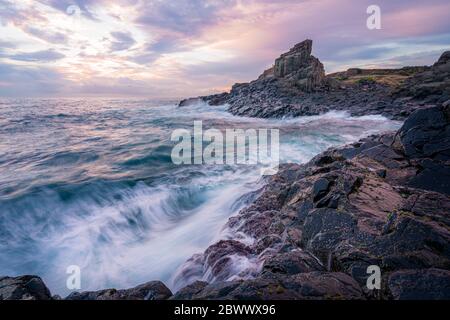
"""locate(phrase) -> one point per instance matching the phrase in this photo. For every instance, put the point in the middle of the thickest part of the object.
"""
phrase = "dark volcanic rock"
(299, 68)
(425, 138)
(154, 290)
(293, 262)
(188, 292)
(425, 284)
(23, 288)
(432, 84)
(312, 285)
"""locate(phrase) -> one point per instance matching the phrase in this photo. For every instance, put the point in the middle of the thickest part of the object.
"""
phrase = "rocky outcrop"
(33, 288)
(153, 290)
(297, 86)
(432, 85)
(424, 284)
(294, 73)
(299, 68)
(23, 288)
(304, 286)
(383, 201)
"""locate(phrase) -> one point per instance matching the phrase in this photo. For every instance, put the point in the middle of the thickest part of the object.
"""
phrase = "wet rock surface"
(311, 285)
(420, 284)
(153, 290)
(23, 288)
(433, 84)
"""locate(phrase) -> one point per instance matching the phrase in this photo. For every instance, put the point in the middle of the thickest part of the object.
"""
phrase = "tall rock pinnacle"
(299, 67)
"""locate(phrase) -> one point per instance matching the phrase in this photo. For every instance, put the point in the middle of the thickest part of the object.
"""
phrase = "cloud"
(122, 41)
(145, 58)
(7, 12)
(25, 81)
(42, 56)
(183, 16)
(48, 36)
(7, 44)
(83, 5)
(166, 44)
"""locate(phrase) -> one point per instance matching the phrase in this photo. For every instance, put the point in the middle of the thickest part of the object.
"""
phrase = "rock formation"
(23, 288)
(294, 72)
(153, 290)
(299, 68)
(433, 84)
(297, 86)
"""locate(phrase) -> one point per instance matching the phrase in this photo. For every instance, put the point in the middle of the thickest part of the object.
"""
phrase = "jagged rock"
(311, 285)
(433, 84)
(154, 290)
(26, 287)
(190, 101)
(320, 188)
(189, 291)
(425, 284)
(221, 256)
(443, 59)
(425, 137)
(313, 230)
(292, 262)
(300, 68)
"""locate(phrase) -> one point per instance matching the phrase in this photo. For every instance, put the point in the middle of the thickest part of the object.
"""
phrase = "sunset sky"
(133, 48)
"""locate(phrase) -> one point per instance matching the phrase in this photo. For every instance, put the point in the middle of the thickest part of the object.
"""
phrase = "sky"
(183, 48)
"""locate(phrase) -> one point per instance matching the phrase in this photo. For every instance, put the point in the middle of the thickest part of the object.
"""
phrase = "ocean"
(91, 183)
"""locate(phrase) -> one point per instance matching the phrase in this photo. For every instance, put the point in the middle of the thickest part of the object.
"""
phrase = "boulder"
(431, 85)
(25, 287)
(153, 290)
(423, 284)
(305, 286)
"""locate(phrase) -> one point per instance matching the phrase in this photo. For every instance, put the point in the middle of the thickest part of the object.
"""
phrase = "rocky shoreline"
(301, 88)
(316, 227)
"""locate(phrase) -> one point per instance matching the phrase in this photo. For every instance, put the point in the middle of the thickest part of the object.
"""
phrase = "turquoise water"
(91, 183)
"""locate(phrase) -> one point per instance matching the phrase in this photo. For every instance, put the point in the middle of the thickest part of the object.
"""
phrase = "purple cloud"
(122, 41)
(43, 56)
(183, 16)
